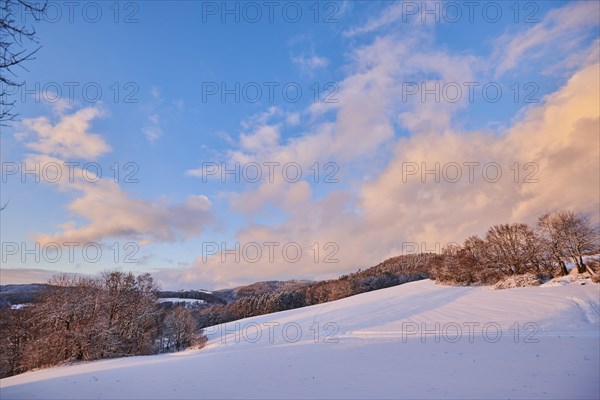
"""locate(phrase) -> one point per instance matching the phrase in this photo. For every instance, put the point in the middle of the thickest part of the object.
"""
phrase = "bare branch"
(14, 37)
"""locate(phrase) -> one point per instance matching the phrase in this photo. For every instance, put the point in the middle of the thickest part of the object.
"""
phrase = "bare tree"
(578, 237)
(86, 318)
(449, 268)
(179, 328)
(132, 312)
(14, 37)
(512, 248)
(16, 331)
(477, 258)
(66, 321)
(552, 239)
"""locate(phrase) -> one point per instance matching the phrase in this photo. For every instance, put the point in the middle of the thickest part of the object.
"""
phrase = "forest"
(77, 318)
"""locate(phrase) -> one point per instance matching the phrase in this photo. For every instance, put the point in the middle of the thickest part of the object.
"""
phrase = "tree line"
(115, 314)
(558, 239)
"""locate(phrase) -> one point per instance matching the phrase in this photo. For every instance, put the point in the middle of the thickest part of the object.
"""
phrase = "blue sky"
(158, 117)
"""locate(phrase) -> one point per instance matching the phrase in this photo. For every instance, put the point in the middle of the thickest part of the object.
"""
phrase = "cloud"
(558, 36)
(400, 15)
(388, 16)
(309, 63)
(112, 214)
(292, 119)
(559, 139)
(368, 103)
(67, 138)
(260, 138)
(155, 93)
(108, 210)
(153, 131)
(16, 276)
(264, 136)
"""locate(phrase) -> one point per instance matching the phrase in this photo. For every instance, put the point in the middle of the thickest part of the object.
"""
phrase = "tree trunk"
(580, 265)
(563, 269)
(591, 272)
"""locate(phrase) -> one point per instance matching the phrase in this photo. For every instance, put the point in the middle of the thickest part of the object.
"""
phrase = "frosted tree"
(512, 248)
(552, 240)
(179, 327)
(577, 236)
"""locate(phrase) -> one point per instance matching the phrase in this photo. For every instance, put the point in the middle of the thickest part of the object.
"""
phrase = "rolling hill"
(417, 340)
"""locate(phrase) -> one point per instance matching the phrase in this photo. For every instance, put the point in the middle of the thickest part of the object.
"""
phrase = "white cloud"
(292, 119)
(16, 276)
(69, 137)
(400, 15)
(153, 131)
(310, 63)
(264, 136)
(109, 211)
(559, 35)
(155, 93)
(388, 16)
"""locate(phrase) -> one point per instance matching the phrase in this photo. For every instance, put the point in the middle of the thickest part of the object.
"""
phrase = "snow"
(181, 300)
(400, 342)
(580, 279)
(198, 290)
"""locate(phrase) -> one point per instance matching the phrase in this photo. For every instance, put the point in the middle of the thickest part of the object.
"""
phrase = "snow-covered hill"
(417, 340)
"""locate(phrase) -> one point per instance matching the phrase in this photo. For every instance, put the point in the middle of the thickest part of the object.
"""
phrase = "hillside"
(370, 345)
(20, 294)
(268, 297)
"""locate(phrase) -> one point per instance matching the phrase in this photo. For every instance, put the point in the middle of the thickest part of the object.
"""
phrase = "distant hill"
(269, 296)
(20, 294)
(273, 296)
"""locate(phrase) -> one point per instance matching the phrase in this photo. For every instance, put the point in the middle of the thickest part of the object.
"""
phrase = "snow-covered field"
(417, 340)
(193, 302)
